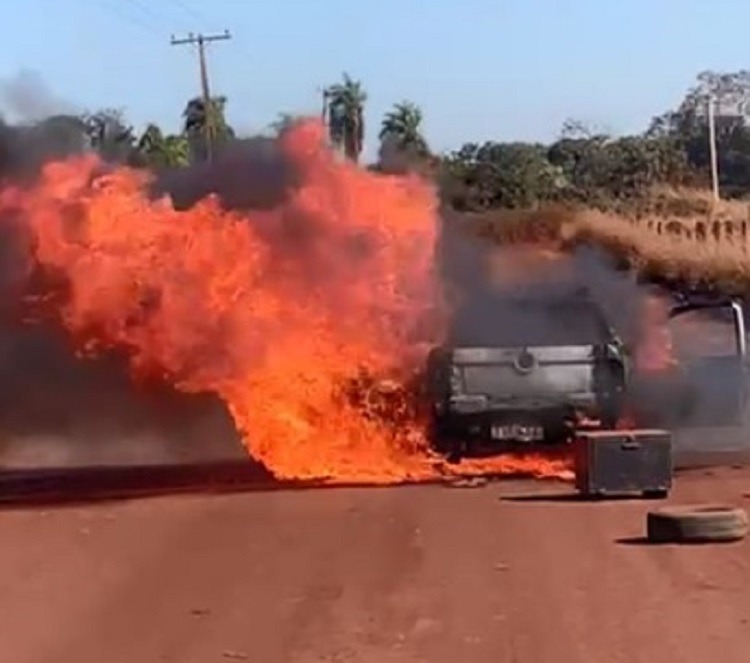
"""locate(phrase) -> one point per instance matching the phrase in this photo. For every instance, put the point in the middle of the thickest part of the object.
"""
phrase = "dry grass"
(543, 226)
(676, 235)
(709, 246)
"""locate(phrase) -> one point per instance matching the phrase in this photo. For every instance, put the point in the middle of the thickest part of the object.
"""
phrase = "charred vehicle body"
(537, 367)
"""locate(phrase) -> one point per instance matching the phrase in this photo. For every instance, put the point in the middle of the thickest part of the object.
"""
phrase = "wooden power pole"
(201, 40)
(712, 147)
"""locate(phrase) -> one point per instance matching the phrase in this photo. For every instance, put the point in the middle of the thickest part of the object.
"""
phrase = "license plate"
(517, 432)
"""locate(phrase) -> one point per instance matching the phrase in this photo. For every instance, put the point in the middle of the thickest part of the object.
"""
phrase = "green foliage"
(598, 168)
(511, 175)
(592, 168)
(583, 166)
(595, 170)
(345, 103)
(109, 134)
(402, 126)
(159, 151)
(688, 126)
(200, 121)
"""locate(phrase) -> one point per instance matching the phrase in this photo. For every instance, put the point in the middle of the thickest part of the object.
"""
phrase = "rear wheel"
(444, 440)
(455, 453)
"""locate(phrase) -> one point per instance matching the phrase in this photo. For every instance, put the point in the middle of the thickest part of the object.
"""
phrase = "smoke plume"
(26, 99)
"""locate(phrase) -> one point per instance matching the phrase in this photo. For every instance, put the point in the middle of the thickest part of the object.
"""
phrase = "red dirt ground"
(424, 573)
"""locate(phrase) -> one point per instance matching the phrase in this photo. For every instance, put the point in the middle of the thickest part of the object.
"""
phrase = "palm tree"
(151, 141)
(402, 127)
(176, 150)
(195, 118)
(109, 134)
(346, 117)
(159, 150)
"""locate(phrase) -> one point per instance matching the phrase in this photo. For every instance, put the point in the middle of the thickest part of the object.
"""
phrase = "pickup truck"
(534, 368)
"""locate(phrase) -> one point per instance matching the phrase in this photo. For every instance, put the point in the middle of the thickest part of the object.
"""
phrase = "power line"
(159, 16)
(201, 40)
(128, 18)
(187, 9)
(203, 17)
(145, 9)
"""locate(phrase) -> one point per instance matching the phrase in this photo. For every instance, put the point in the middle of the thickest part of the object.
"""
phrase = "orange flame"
(278, 312)
(655, 349)
(654, 353)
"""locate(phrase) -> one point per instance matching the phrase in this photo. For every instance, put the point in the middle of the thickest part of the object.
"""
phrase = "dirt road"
(411, 574)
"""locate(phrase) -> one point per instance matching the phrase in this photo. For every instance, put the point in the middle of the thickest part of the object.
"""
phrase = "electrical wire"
(113, 7)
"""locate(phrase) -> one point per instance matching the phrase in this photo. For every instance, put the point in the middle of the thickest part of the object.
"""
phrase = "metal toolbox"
(624, 462)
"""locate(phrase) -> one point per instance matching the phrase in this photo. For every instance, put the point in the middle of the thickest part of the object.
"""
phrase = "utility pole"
(201, 40)
(712, 147)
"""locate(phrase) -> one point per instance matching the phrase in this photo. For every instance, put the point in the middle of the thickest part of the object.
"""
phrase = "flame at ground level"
(540, 465)
(275, 311)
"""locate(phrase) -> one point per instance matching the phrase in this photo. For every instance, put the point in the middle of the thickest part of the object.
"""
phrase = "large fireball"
(288, 314)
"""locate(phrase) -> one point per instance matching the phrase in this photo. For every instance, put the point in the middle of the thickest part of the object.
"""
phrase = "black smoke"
(25, 148)
(246, 174)
(60, 410)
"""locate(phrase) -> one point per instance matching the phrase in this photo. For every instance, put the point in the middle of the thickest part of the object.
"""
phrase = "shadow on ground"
(571, 498)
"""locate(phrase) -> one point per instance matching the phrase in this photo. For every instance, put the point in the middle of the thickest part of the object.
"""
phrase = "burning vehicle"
(537, 367)
(309, 316)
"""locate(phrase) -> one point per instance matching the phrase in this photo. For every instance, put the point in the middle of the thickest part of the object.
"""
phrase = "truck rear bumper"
(498, 430)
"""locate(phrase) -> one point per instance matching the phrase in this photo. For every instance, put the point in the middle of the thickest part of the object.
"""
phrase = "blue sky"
(508, 69)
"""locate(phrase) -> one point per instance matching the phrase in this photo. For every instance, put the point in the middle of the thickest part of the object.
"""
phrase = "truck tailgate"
(552, 371)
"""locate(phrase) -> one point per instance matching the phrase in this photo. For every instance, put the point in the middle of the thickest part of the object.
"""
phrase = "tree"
(687, 126)
(346, 121)
(578, 129)
(109, 134)
(196, 117)
(582, 159)
(160, 151)
(512, 175)
(635, 164)
(402, 126)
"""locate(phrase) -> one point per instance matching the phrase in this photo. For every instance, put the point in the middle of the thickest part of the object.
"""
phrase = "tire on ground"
(696, 523)
(444, 440)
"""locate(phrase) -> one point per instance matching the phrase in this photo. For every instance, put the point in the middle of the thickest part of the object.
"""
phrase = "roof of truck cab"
(548, 295)
(559, 316)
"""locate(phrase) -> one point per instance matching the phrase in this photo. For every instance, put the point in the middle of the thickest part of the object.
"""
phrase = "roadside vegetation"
(645, 196)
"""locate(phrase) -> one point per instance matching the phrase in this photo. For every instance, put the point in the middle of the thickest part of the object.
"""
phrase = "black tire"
(445, 442)
(454, 454)
(698, 524)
